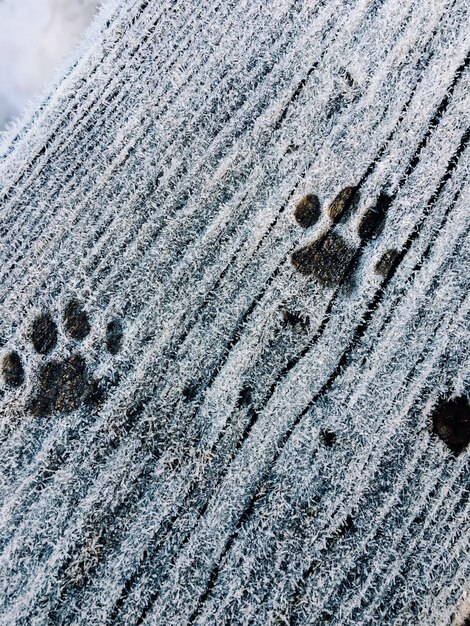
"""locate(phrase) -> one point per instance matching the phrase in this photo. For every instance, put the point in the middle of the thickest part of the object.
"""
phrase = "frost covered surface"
(260, 450)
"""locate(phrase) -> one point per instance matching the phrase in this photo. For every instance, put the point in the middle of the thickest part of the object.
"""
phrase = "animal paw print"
(66, 384)
(330, 258)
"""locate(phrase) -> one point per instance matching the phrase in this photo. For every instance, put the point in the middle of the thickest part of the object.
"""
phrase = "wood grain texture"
(237, 409)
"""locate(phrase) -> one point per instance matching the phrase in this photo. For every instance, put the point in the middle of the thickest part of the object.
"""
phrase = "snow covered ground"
(35, 36)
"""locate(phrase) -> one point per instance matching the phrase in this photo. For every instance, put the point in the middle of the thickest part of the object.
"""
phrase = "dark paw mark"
(386, 261)
(331, 259)
(63, 385)
(43, 333)
(327, 259)
(342, 206)
(76, 320)
(372, 221)
(451, 422)
(307, 212)
(12, 369)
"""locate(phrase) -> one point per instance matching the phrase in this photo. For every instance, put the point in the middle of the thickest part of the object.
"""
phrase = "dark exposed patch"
(327, 437)
(12, 369)
(385, 263)
(335, 105)
(114, 335)
(295, 319)
(343, 204)
(135, 411)
(347, 77)
(76, 320)
(43, 333)
(372, 221)
(245, 397)
(64, 386)
(327, 260)
(307, 212)
(343, 529)
(293, 147)
(451, 422)
(190, 391)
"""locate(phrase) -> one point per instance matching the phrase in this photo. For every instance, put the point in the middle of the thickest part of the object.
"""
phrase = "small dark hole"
(291, 148)
(114, 334)
(327, 437)
(451, 422)
(346, 526)
(136, 410)
(76, 320)
(190, 392)
(173, 464)
(307, 212)
(43, 333)
(12, 369)
(294, 319)
(343, 205)
(245, 398)
(326, 617)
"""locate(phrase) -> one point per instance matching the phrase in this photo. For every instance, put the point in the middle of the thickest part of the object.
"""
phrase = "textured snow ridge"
(234, 282)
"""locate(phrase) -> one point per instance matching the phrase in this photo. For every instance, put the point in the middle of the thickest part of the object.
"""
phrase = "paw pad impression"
(330, 258)
(63, 385)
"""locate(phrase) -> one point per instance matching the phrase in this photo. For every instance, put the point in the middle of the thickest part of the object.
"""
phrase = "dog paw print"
(330, 258)
(63, 385)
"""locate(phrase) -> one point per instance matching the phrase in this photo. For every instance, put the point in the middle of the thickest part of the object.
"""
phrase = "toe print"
(330, 259)
(43, 333)
(308, 211)
(372, 221)
(12, 369)
(386, 261)
(66, 384)
(343, 205)
(76, 320)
